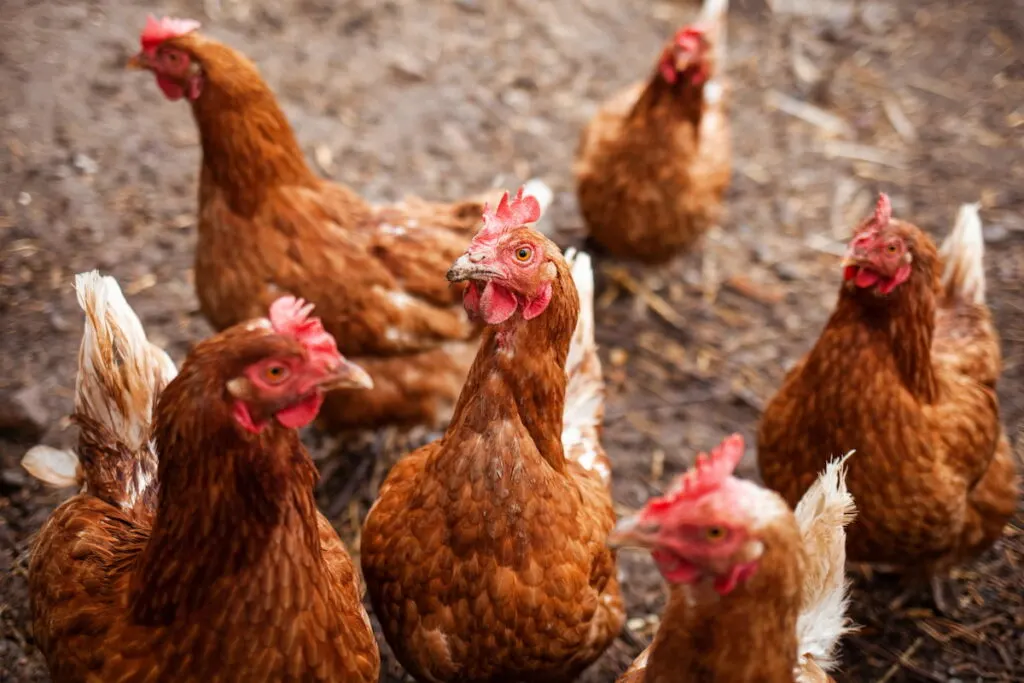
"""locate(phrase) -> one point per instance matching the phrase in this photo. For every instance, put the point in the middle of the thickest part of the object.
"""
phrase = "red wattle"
(301, 414)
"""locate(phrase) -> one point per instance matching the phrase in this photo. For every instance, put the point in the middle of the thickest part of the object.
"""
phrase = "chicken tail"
(120, 377)
(823, 514)
(713, 14)
(963, 253)
(584, 393)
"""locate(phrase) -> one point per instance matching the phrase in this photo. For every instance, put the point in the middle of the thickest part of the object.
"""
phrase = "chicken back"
(485, 554)
(213, 565)
(269, 226)
(904, 372)
(758, 592)
(654, 163)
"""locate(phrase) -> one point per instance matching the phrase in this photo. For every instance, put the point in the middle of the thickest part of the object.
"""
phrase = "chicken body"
(653, 164)
(269, 226)
(908, 380)
(484, 555)
(217, 566)
(781, 623)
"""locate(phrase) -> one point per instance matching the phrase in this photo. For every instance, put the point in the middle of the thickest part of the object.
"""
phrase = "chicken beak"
(633, 532)
(138, 62)
(470, 266)
(347, 375)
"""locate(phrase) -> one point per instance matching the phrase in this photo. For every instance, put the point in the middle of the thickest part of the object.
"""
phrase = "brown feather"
(652, 167)
(910, 386)
(269, 226)
(232, 575)
(484, 555)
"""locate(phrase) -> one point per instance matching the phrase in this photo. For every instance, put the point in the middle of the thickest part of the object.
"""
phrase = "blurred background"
(832, 101)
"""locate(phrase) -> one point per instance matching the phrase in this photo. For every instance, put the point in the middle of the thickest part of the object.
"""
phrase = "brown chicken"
(485, 554)
(195, 551)
(269, 226)
(758, 592)
(905, 373)
(652, 166)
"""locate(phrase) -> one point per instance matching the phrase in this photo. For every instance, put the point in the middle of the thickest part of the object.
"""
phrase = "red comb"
(159, 30)
(510, 214)
(880, 219)
(707, 474)
(290, 317)
(883, 211)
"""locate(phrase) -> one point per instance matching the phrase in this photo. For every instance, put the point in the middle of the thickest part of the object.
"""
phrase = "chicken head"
(686, 57)
(508, 265)
(177, 72)
(705, 527)
(288, 380)
(880, 257)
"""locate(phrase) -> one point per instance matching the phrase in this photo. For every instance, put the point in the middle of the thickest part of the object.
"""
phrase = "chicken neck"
(671, 103)
(233, 510)
(899, 327)
(746, 636)
(249, 148)
(518, 378)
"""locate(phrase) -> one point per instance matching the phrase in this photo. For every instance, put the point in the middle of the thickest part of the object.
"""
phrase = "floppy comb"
(510, 214)
(880, 218)
(290, 317)
(708, 473)
(157, 31)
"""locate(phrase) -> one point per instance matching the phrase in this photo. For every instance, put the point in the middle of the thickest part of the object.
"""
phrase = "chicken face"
(177, 72)
(290, 389)
(703, 527)
(879, 257)
(512, 273)
(684, 59)
(289, 385)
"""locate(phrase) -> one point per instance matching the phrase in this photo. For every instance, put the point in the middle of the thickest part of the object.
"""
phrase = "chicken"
(484, 555)
(653, 164)
(758, 592)
(194, 551)
(905, 373)
(269, 226)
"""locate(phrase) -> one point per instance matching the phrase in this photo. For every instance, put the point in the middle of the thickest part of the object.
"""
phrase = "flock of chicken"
(195, 552)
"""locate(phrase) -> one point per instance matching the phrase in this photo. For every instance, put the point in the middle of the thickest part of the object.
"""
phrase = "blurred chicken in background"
(269, 226)
(653, 165)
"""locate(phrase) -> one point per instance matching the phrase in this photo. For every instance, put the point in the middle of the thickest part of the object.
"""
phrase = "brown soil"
(444, 98)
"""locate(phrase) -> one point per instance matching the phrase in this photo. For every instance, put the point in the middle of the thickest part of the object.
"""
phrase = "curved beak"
(139, 62)
(347, 375)
(470, 267)
(634, 532)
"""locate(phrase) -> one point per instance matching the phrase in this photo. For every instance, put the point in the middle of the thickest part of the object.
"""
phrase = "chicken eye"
(714, 533)
(275, 373)
(524, 253)
(891, 248)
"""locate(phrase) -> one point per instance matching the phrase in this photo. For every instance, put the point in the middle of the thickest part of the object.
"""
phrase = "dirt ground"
(922, 100)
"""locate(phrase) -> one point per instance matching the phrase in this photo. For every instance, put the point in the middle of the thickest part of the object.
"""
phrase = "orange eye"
(524, 253)
(714, 533)
(891, 248)
(275, 373)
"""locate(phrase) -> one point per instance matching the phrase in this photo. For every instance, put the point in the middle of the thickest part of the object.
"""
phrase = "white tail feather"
(584, 395)
(584, 392)
(53, 466)
(120, 373)
(120, 376)
(823, 514)
(713, 13)
(963, 253)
